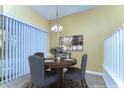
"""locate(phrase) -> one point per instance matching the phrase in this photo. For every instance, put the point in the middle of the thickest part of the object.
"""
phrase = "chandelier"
(57, 27)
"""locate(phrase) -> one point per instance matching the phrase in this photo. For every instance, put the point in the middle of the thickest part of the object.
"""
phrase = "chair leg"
(57, 85)
(44, 86)
(82, 83)
(85, 83)
(31, 85)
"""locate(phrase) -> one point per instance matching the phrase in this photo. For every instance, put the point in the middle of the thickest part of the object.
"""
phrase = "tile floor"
(93, 81)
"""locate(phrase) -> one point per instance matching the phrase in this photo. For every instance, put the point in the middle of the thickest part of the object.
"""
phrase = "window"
(20, 41)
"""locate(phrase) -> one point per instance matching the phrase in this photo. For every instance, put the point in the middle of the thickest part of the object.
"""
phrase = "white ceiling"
(49, 11)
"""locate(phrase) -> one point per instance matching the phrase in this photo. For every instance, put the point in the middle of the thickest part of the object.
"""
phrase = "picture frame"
(71, 43)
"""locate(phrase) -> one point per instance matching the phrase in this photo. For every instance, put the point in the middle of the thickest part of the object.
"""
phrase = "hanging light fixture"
(57, 27)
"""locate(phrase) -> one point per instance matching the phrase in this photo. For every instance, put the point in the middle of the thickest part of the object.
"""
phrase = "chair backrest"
(36, 64)
(41, 54)
(83, 65)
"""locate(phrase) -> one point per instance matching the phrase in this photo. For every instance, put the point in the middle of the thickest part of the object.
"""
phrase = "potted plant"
(56, 51)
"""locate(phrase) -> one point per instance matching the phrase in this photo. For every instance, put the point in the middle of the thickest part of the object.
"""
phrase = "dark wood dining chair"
(40, 77)
(74, 73)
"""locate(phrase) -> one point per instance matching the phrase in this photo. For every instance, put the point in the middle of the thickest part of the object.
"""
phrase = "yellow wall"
(26, 14)
(95, 25)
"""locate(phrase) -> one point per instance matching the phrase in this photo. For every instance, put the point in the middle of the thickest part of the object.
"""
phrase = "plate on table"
(49, 60)
(69, 59)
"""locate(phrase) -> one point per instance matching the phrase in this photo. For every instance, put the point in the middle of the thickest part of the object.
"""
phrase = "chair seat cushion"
(50, 77)
(73, 73)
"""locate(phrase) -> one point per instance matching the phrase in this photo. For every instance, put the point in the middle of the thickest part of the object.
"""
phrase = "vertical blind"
(20, 40)
(114, 56)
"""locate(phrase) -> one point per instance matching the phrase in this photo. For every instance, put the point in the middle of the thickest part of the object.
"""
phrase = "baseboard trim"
(110, 81)
(106, 81)
(95, 73)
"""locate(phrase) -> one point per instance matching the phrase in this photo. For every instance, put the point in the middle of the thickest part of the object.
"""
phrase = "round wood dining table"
(58, 65)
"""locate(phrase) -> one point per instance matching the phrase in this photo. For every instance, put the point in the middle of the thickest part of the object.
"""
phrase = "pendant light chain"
(57, 27)
(57, 15)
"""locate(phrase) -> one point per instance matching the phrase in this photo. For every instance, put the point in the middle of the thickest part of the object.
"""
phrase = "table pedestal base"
(60, 72)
